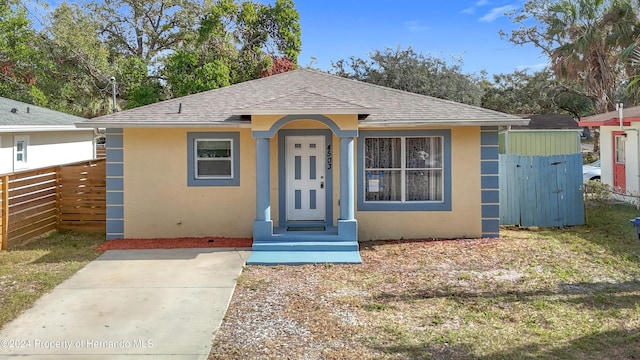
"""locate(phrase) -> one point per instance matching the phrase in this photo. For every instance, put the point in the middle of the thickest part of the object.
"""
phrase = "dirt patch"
(175, 243)
(544, 294)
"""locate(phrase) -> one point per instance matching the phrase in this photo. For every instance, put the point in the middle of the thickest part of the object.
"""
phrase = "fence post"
(5, 213)
(58, 191)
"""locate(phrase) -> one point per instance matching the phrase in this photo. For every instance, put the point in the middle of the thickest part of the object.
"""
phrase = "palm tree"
(592, 37)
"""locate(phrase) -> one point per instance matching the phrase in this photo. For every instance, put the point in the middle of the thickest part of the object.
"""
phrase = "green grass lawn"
(571, 293)
(28, 272)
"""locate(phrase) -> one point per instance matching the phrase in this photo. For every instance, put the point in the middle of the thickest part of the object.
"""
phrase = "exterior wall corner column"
(347, 179)
(263, 225)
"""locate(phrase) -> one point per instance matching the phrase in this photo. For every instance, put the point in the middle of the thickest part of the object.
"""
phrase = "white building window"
(20, 147)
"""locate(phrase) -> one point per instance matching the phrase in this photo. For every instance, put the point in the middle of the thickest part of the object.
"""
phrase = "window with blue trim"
(404, 170)
(213, 159)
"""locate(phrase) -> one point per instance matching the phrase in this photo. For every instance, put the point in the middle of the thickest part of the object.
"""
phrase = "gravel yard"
(560, 293)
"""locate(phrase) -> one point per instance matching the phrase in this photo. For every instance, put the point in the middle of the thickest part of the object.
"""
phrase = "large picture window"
(404, 170)
(213, 159)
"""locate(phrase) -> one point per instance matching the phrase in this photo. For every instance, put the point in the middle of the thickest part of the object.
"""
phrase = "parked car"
(591, 171)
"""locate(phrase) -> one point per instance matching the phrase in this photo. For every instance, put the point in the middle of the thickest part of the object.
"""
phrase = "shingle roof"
(298, 91)
(549, 121)
(627, 113)
(30, 115)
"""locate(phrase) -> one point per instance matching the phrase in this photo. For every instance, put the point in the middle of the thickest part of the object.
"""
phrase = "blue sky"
(466, 29)
(334, 29)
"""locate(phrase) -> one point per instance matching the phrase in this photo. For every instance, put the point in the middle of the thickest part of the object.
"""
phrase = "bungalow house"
(306, 163)
(34, 137)
(619, 147)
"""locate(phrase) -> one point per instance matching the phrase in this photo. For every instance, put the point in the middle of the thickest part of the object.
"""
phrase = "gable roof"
(549, 122)
(303, 91)
(611, 118)
(20, 116)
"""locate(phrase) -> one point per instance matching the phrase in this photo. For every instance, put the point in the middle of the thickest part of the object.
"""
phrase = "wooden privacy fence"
(69, 197)
(541, 190)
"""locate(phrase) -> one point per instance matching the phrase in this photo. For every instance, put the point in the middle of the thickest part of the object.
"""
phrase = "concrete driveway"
(130, 304)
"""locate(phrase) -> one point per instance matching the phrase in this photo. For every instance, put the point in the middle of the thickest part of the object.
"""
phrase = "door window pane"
(620, 153)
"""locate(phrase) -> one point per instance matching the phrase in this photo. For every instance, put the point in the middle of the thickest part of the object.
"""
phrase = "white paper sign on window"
(374, 185)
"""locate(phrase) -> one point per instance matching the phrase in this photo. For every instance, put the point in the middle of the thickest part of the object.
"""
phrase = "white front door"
(305, 175)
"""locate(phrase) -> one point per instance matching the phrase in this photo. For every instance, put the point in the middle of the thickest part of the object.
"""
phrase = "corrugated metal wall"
(543, 142)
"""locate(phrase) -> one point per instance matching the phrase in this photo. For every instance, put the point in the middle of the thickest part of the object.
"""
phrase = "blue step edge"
(303, 257)
(305, 246)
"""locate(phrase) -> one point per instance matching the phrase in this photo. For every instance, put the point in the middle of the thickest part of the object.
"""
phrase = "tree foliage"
(155, 49)
(404, 69)
(18, 56)
(585, 41)
(521, 92)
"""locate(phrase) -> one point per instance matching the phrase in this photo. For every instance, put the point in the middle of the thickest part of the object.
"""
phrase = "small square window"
(213, 159)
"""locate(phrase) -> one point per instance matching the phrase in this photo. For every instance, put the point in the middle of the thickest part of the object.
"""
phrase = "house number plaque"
(329, 158)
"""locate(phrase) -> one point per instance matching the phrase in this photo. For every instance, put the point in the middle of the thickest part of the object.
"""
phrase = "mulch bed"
(175, 243)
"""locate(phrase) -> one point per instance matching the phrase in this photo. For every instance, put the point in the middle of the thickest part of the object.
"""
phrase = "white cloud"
(477, 4)
(415, 26)
(496, 13)
(533, 68)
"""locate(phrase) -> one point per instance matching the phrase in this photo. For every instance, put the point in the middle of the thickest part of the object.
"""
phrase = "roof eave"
(37, 128)
(341, 111)
(462, 122)
(545, 129)
(161, 124)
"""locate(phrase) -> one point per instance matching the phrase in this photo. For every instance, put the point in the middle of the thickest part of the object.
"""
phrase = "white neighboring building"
(34, 137)
(619, 148)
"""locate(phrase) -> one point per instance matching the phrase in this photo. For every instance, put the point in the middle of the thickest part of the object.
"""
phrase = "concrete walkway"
(131, 304)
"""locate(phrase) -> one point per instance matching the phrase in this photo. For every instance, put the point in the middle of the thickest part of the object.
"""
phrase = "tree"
(538, 93)
(145, 28)
(78, 64)
(406, 70)
(18, 66)
(236, 41)
(585, 41)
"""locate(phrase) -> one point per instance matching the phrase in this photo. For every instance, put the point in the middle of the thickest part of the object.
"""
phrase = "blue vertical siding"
(489, 169)
(115, 184)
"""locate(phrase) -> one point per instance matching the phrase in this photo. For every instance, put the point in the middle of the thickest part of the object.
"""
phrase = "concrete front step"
(305, 246)
(303, 257)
